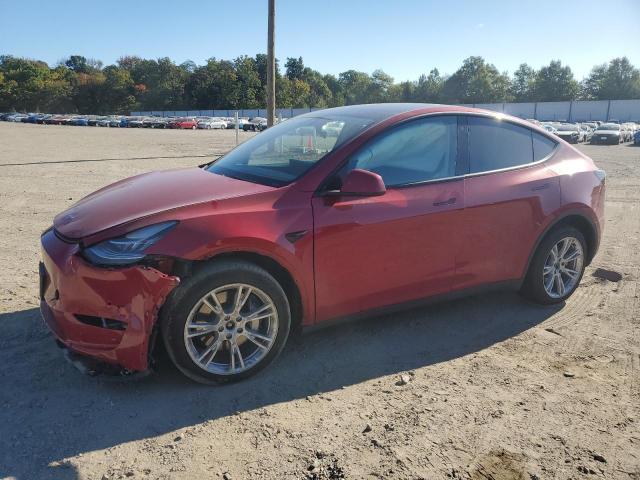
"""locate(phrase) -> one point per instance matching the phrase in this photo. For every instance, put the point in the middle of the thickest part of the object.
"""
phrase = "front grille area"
(101, 322)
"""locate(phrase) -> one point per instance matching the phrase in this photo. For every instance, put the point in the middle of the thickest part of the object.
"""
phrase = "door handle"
(450, 201)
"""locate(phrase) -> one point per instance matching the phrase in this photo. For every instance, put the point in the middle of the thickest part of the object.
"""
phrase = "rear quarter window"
(496, 144)
(542, 146)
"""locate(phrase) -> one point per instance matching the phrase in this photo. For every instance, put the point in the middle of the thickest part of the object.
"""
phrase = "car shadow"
(51, 412)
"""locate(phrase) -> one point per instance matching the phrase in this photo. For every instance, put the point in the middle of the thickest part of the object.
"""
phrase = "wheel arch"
(281, 274)
(578, 220)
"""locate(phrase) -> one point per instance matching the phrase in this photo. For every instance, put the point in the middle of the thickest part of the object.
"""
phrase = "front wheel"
(557, 267)
(226, 322)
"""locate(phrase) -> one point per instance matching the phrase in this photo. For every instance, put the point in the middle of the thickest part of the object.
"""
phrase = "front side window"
(282, 153)
(418, 151)
(496, 144)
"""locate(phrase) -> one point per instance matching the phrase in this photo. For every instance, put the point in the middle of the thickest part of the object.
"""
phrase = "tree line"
(82, 85)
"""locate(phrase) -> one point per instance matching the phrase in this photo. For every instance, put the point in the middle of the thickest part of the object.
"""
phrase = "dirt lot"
(497, 388)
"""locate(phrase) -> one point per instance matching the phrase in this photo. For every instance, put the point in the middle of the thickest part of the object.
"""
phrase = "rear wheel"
(557, 267)
(226, 323)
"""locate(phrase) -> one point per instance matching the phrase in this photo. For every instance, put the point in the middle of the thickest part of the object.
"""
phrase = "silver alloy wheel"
(231, 329)
(562, 267)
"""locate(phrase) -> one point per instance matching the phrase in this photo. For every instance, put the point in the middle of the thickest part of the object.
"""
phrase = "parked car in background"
(103, 122)
(410, 202)
(136, 122)
(636, 138)
(586, 132)
(183, 123)
(212, 123)
(569, 132)
(42, 119)
(157, 122)
(56, 120)
(607, 134)
(16, 117)
(79, 121)
(31, 118)
(256, 124)
(241, 121)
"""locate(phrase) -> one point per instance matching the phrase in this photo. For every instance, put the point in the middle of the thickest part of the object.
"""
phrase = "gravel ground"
(489, 387)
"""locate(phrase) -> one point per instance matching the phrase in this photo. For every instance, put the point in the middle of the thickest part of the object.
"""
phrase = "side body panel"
(257, 225)
(505, 214)
(378, 251)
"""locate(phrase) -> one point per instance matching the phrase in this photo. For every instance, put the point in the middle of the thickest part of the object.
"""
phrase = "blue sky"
(403, 37)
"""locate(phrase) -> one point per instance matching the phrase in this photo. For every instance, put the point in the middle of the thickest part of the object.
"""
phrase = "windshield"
(609, 126)
(567, 128)
(286, 151)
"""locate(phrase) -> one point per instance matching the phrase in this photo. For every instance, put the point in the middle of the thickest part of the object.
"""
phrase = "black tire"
(533, 286)
(174, 313)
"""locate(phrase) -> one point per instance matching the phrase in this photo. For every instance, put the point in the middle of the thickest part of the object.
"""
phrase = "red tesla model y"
(334, 214)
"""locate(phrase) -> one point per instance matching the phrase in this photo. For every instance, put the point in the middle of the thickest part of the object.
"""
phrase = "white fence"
(578, 111)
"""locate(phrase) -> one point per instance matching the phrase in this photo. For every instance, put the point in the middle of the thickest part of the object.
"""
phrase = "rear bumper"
(107, 314)
(606, 141)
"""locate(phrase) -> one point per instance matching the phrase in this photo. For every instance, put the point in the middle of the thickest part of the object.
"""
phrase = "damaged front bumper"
(105, 314)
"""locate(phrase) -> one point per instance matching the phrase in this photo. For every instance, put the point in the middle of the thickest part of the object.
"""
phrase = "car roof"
(379, 112)
(382, 111)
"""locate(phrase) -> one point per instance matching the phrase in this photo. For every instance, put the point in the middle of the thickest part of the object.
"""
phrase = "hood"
(148, 194)
(566, 132)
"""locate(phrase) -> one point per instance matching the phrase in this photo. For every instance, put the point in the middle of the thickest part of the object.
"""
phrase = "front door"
(373, 252)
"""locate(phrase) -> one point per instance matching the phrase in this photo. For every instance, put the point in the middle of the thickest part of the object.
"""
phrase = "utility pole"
(271, 66)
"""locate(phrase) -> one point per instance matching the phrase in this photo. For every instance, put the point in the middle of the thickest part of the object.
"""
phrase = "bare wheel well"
(277, 271)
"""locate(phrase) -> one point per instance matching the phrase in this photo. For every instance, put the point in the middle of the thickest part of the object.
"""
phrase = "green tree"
(88, 92)
(523, 83)
(80, 84)
(379, 85)
(617, 80)
(319, 92)
(335, 87)
(118, 93)
(476, 82)
(80, 64)
(555, 83)
(214, 85)
(294, 68)
(354, 86)
(250, 93)
(429, 87)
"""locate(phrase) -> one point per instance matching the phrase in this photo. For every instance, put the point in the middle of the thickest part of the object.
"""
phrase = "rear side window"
(542, 146)
(495, 144)
(417, 151)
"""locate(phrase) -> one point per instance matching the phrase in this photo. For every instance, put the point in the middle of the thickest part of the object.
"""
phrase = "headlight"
(129, 248)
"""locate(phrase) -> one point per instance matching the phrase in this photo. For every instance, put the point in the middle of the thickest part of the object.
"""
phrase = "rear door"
(509, 191)
(372, 252)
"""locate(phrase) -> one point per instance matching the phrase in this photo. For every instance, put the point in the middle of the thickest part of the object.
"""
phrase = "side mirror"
(360, 183)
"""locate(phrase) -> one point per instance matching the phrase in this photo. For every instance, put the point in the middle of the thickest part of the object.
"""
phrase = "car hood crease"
(148, 194)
